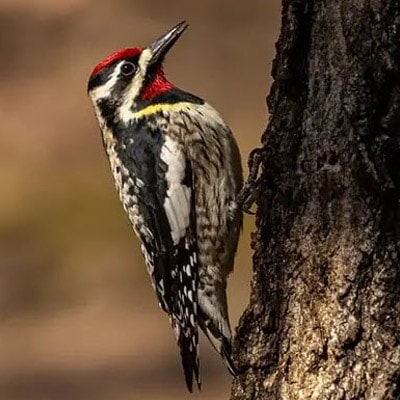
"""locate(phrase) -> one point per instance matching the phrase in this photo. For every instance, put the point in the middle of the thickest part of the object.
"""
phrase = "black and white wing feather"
(166, 202)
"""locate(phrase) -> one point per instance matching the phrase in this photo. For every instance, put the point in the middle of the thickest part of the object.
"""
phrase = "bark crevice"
(323, 319)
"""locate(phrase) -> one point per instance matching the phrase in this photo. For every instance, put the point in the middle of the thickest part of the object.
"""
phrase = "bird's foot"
(251, 188)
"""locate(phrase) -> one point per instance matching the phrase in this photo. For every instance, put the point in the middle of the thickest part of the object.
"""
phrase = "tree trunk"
(324, 315)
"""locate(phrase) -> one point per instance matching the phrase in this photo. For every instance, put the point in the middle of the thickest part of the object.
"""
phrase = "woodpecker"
(177, 170)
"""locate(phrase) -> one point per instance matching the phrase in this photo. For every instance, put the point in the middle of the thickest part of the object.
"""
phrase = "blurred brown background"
(78, 318)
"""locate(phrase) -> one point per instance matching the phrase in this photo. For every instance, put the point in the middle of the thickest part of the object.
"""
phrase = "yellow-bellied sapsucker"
(177, 170)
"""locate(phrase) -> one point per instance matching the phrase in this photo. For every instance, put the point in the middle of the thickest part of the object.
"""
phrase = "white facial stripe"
(104, 90)
(133, 89)
(144, 59)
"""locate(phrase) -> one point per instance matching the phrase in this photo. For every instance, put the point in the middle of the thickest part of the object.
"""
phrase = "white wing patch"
(177, 203)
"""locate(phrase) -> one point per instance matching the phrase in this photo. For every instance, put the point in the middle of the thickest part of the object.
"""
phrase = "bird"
(177, 170)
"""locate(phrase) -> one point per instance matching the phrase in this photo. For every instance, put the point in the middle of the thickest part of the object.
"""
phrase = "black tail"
(190, 359)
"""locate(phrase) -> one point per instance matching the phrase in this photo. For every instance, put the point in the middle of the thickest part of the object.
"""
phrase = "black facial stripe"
(107, 109)
(102, 76)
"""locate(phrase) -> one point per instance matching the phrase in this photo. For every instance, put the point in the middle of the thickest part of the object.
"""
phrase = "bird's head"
(133, 74)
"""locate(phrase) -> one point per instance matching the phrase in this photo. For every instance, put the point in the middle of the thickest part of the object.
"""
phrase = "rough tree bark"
(324, 315)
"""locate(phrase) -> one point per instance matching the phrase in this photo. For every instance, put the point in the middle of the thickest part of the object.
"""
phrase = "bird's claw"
(250, 190)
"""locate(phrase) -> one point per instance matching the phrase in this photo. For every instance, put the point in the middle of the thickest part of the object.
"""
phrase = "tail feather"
(188, 343)
(190, 360)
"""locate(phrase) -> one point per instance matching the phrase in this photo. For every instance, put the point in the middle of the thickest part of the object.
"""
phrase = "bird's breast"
(126, 182)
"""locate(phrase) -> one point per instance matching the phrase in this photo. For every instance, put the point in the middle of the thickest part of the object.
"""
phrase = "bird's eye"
(128, 69)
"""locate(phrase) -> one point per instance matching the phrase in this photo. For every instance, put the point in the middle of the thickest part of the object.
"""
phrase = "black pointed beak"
(160, 47)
